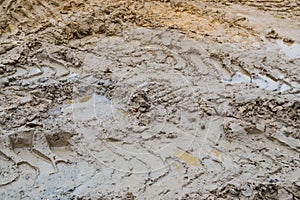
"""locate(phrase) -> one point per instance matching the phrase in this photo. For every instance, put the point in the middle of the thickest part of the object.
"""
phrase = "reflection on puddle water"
(90, 106)
(240, 78)
(85, 99)
(189, 159)
(292, 51)
(73, 74)
(267, 83)
(263, 81)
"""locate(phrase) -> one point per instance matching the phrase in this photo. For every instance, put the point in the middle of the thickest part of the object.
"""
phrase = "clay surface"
(149, 99)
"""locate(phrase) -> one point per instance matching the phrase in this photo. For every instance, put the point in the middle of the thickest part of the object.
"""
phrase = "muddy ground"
(149, 99)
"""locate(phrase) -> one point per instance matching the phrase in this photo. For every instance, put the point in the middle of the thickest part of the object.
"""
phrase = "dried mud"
(149, 99)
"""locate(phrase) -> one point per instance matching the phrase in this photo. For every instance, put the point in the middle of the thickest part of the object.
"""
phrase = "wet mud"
(149, 99)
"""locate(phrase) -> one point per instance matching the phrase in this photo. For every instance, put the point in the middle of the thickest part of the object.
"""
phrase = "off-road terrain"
(169, 99)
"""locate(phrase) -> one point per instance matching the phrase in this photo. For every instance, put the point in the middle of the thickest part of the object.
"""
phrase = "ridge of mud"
(278, 7)
(111, 17)
(74, 19)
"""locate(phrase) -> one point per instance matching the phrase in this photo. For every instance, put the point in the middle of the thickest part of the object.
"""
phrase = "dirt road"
(149, 99)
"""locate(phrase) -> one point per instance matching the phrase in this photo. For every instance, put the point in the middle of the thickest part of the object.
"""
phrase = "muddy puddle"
(291, 50)
(262, 81)
(149, 99)
(91, 106)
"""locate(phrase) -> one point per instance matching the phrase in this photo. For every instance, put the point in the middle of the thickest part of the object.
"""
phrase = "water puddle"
(74, 72)
(263, 81)
(189, 159)
(239, 77)
(291, 50)
(34, 71)
(217, 153)
(88, 107)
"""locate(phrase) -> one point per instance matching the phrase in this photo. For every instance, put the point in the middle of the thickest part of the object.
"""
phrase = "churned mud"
(149, 99)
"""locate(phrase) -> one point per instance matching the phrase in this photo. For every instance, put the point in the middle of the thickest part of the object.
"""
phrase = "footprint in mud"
(14, 146)
(148, 116)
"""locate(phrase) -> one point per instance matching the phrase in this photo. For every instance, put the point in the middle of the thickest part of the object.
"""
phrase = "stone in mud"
(272, 34)
(257, 128)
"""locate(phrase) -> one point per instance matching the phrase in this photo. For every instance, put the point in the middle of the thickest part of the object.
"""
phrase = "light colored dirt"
(149, 99)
